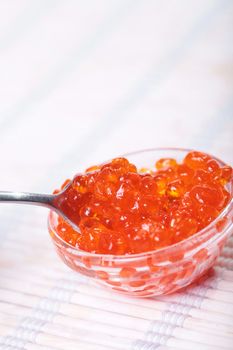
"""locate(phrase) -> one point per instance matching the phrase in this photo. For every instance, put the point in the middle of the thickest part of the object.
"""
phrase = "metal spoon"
(52, 201)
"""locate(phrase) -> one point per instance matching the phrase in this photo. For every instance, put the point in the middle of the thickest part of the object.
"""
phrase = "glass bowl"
(156, 272)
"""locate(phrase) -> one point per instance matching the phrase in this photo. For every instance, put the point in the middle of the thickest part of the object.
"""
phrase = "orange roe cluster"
(122, 210)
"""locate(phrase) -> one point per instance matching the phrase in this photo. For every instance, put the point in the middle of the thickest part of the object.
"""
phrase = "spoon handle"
(51, 201)
(26, 198)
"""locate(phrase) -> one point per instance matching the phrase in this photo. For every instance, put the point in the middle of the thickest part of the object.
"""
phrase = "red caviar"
(121, 210)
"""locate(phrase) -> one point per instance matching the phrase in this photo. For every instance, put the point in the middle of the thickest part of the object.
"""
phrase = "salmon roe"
(122, 210)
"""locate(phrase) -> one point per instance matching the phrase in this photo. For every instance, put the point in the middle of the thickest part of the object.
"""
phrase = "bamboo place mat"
(82, 82)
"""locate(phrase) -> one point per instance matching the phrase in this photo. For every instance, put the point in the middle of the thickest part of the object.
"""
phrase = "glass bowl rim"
(155, 251)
